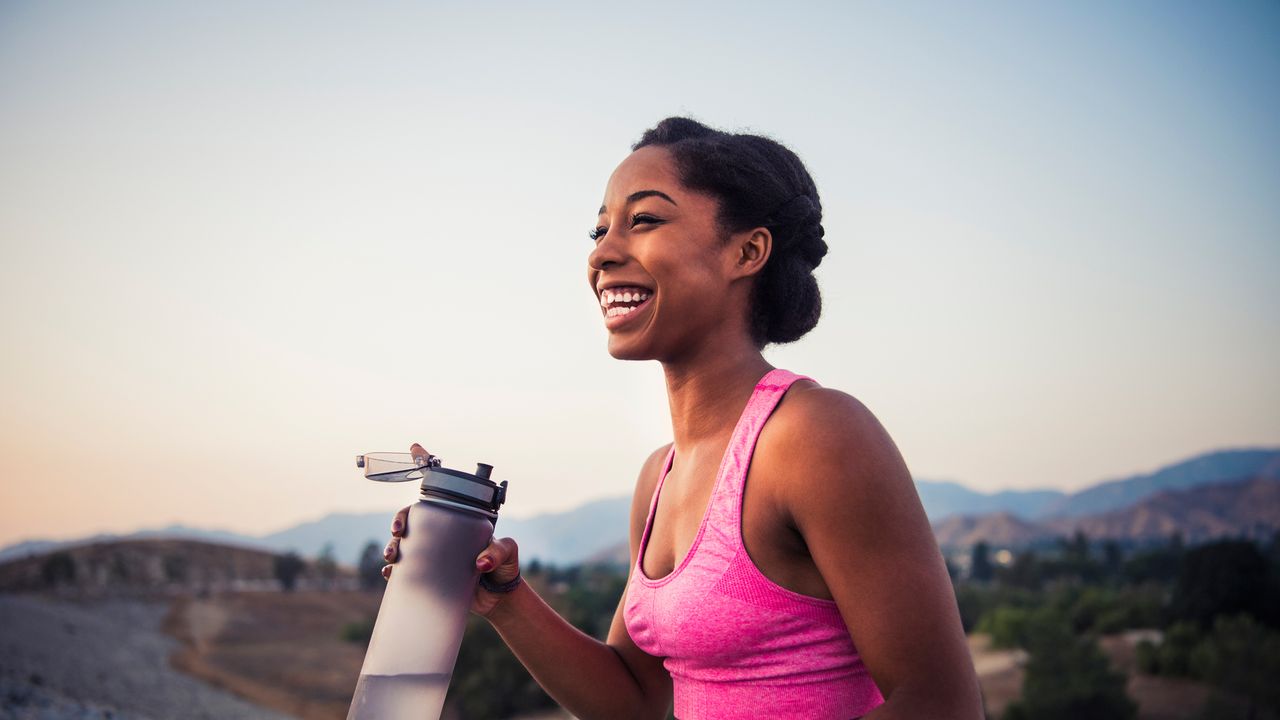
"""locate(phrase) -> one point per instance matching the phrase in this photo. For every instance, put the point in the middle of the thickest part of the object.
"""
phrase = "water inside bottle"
(396, 697)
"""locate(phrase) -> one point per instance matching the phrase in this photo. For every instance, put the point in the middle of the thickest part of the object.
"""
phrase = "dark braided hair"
(759, 183)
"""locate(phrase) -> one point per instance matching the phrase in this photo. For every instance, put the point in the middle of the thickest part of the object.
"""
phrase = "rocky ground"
(62, 659)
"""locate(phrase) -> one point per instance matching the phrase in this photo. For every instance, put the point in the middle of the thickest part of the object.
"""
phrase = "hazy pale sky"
(244, 242)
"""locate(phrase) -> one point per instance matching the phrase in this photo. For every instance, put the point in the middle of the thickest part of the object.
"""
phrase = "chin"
(621, 349)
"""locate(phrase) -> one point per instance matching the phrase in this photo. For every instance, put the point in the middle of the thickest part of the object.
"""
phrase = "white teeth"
(608, 298)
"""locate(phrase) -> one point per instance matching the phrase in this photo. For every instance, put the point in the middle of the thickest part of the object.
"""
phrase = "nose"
(608, 252)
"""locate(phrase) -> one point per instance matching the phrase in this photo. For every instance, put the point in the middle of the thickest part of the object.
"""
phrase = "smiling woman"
(781, 563)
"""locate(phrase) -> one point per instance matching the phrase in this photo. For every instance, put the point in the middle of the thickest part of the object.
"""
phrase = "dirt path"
(999, 673)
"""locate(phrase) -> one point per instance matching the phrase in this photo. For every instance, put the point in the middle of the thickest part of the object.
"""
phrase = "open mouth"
(622, 303)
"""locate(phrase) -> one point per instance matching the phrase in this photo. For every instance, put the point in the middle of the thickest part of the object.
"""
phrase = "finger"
(419, 453)
(392, 551)
(499, 553)
(401, 523)
(386, 572)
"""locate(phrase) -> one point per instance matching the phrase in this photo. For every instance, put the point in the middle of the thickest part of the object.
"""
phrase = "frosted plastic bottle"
(424, 609)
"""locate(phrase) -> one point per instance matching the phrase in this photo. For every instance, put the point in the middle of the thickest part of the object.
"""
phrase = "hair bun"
(797, 226)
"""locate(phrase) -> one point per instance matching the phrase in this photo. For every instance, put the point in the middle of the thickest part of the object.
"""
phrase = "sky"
(241, 243)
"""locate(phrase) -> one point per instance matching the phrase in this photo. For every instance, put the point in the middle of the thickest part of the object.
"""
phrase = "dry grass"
(285, 651)
(280, 650)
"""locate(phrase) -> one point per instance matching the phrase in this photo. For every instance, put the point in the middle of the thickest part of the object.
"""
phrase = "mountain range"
(1177, 496)
(1242, 508)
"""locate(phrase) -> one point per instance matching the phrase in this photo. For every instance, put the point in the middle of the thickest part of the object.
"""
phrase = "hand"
(500, 560)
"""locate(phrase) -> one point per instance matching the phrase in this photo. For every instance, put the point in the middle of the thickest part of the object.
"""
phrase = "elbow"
(911, 704)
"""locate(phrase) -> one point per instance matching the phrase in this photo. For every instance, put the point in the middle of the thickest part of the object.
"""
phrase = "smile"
(621, 302)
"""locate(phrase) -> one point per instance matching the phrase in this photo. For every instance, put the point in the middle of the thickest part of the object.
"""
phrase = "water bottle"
(424, 609)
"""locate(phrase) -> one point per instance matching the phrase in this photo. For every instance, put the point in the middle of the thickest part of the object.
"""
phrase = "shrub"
(1069, 678)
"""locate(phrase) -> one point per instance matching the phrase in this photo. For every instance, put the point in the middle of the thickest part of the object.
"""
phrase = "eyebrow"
(642, 194)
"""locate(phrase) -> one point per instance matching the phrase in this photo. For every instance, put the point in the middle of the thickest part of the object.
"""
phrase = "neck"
(707, 392)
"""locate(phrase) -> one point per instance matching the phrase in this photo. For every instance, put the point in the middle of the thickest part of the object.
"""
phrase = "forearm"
(586, 676)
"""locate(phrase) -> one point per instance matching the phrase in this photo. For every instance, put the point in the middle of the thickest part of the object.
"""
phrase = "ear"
(751, 251)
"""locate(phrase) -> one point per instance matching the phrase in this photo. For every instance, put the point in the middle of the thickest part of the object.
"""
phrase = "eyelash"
(636, 219)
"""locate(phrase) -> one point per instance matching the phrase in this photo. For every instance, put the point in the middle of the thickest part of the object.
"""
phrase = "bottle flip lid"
(472, 489)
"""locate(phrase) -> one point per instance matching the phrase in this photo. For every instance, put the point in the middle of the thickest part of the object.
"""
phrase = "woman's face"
(661, 270)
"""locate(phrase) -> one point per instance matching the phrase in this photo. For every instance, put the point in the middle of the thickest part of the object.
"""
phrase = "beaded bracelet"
(505, 587)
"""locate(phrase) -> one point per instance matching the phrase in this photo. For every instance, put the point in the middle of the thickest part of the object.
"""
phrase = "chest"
(682, 508)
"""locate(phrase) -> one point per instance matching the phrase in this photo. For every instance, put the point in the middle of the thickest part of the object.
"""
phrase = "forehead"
(649, 168)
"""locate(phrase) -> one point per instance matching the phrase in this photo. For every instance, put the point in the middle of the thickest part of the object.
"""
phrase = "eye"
(644, 219)
(597, 233)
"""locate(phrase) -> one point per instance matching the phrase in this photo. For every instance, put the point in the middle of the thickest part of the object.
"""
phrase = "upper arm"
(851, 497)
(647, 669)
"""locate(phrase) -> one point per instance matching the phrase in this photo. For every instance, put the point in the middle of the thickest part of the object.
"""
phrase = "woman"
(780, 569)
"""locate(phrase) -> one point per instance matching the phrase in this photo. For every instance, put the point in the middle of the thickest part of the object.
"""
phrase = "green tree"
(488, 681)
(1026, 571)
(288, 567)
(1222, 578)
(1172, 656)
(1158, 564)
(370, 566)
(1013, 626)
(327, 566)
(980, 565)
(1112, 558)
(1241, 657)
(1076, 550)
(1069, 678)
(57, 569)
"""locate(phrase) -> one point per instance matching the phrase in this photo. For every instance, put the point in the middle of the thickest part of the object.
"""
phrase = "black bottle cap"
(476, 490)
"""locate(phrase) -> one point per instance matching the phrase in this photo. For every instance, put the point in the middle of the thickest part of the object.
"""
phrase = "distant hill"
(618, 555)
(1214, 467)
(172, 532)
(1248, 508)
(998, 528)
(147, 566)
(598, 527)
(573, 536)
(562, 538)
(941, 499)
(348, 532)
(1243, 508)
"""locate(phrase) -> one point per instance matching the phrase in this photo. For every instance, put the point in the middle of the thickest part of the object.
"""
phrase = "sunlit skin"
(829, 508)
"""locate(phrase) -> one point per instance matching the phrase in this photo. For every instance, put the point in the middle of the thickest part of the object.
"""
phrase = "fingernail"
(395, 526)
(386, 551)
(484, 564)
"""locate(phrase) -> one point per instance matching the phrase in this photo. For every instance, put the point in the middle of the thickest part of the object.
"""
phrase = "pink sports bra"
(738, 645)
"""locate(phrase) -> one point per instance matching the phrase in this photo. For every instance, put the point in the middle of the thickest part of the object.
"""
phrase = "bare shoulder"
(830, 452)
(818, 424)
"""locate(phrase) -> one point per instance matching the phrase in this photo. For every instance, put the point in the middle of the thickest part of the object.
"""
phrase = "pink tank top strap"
(726, 498)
